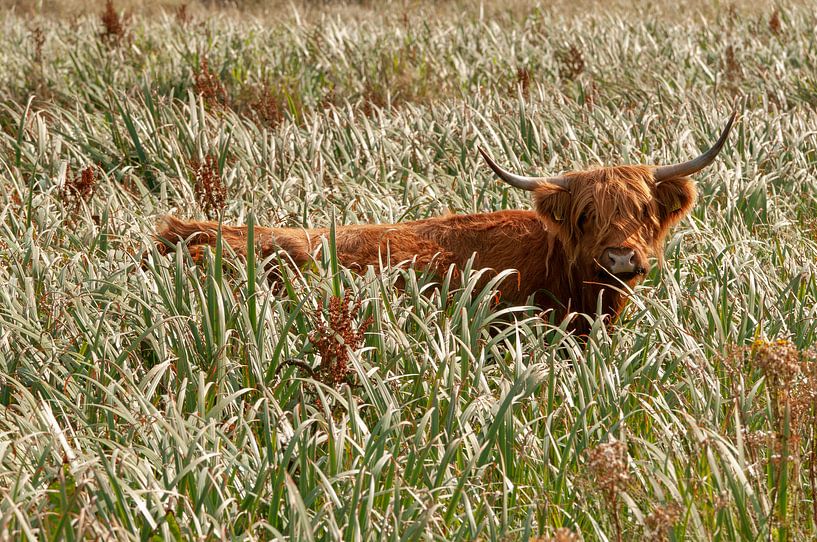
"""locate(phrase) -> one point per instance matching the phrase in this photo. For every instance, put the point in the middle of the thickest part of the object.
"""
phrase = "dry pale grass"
(286, 11)
(143, 397)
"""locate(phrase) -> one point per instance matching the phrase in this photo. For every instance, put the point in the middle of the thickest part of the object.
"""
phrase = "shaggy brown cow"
(592, 232)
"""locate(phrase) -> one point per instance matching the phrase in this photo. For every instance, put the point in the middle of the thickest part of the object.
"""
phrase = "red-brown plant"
(209, 189)
(208, 85)
(78, 188)
(336, 335)
(113, 25)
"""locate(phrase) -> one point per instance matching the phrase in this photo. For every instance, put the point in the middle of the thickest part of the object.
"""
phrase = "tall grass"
(144, 396)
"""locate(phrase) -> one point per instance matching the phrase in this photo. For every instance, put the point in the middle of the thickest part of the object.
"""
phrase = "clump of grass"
(398, 77)
(36, 74)
(208, 187)
(264, 103)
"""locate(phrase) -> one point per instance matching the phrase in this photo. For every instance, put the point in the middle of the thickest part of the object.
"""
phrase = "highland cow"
(592, 235)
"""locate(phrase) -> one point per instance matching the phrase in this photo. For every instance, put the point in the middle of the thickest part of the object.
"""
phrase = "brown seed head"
(182, 15)
(78, 188)
(659, 522)
(779, 361)
(209, 85)
(607, 464)
(113, 26)
(562, 534)
(571, 62)
(775, 27)
(210, 192)
(334, 337)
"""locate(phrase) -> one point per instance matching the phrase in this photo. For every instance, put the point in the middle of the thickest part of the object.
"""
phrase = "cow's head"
(612, 221)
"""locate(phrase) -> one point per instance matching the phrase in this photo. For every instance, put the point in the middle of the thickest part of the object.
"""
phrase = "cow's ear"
(553, 206)
(675, 199)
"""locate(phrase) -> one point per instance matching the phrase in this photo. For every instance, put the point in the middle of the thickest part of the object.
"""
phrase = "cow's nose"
(618, 260)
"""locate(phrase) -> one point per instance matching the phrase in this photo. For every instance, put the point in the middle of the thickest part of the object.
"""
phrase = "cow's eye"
(581, 222)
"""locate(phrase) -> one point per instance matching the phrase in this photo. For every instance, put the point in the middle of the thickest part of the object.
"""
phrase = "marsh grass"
(146, 395)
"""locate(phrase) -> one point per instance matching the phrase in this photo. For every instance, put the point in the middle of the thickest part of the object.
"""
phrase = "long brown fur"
(555, 250)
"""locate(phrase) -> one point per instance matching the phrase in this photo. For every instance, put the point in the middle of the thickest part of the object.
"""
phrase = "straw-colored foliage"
(143, 396)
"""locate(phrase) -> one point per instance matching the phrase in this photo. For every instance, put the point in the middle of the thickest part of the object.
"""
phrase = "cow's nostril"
(620, 260)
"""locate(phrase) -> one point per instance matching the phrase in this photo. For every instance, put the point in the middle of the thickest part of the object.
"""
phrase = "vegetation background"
(142, 397)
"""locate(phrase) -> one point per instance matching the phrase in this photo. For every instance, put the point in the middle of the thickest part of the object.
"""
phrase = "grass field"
(146, 398)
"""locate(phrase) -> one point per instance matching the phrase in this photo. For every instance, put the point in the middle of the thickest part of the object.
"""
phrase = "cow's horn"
(685, 169)
(518, 181)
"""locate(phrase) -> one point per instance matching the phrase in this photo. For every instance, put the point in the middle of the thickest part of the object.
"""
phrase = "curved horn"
(518, 181)
(695, 165)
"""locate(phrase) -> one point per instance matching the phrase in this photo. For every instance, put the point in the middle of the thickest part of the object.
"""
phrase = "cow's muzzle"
(621, 261)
